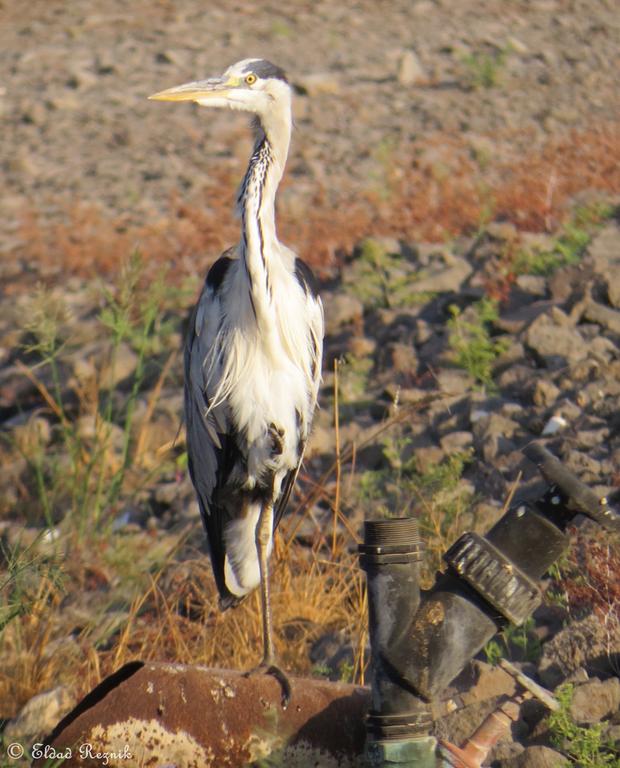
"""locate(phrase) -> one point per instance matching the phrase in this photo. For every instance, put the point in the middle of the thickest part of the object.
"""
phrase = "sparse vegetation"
(484, 68)
(585, 747)
(81, 473)
(515, 643)
(436, 494)
(474, 348)
(569, 246)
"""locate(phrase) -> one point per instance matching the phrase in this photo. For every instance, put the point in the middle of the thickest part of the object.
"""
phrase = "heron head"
(251, 85)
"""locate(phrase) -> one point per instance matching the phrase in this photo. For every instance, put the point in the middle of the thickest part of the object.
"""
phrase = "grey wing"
(211, 447)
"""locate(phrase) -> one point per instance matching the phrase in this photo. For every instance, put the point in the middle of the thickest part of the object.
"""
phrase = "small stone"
(29, 437)
(545, 393)
(319, 83)
(321, 441)
(612, 278)
(444, 280)
(125, 362)
(362, 346)
(427, 457)
(490, 681)
(537, 757)
(595, 700)
(81, 77)
(504, 231)
(342, 309)
(35, 113)
(39, 715)
(410, 69)
(604, 250)
(454, 382)
(167, 57)
(456, 442)
(555, 424)
(493, 435)
(555, 344)
(584, 643)
(423, 331)
(402, 358)
(518, 46)
(533, 284)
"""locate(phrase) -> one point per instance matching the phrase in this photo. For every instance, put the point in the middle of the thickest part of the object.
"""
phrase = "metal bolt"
(555, 500)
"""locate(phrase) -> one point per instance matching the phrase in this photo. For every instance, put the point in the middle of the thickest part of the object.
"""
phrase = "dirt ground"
(397, 101)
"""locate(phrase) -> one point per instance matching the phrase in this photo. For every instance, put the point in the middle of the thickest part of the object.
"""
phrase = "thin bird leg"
(263, 534)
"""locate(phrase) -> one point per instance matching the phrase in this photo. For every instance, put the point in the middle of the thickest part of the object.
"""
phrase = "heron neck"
(257, 206)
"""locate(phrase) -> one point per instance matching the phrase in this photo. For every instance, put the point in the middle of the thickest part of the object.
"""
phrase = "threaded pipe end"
(390, 541)
(395, 531)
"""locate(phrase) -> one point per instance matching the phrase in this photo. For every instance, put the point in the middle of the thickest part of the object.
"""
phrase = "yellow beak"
(200, 90)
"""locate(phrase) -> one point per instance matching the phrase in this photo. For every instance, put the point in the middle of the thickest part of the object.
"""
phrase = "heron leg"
(263, 535)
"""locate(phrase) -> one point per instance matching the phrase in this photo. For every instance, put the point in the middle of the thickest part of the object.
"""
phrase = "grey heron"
(252, 356)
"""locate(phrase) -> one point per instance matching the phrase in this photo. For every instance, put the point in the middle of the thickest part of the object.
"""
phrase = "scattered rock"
(533, 284)
(401, 358)
(410, 69)
(545, 392)
(124, 363)
(488, 682)
(604, 251)
(587, 643)
(595, 700)
(319, 84)
(612, 279)
(342, 309)
(445, 279)
(39, 716)
(537, 757)
(555, 344)
(456, 442)
(493, 435)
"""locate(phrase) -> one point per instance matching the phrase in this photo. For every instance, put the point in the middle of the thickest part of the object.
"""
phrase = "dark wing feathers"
(305, 278)
(211, 452)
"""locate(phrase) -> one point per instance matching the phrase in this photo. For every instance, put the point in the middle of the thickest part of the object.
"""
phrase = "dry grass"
(172, 613)
(590, 580)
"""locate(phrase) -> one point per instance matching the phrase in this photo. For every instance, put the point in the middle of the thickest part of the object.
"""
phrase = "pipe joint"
(498, 580)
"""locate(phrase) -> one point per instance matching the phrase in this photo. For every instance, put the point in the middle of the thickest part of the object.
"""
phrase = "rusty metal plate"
(175, 716)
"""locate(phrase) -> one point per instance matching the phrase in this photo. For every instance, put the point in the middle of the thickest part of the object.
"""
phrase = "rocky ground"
(453, 339)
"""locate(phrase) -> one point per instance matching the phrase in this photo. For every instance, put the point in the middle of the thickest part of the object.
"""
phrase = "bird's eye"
(250, 79)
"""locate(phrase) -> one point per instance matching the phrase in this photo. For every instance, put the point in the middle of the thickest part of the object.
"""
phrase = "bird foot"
(269, 668)
(277, 439)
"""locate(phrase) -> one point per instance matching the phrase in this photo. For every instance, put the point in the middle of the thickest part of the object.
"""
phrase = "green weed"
(381, 279)
(482, 69)
(436, 493)
(353, 380)
(570, 245)
(585, 747)
(523, 639)
(280, 28)
(79, 477)
(25, 570)
(471, 342)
